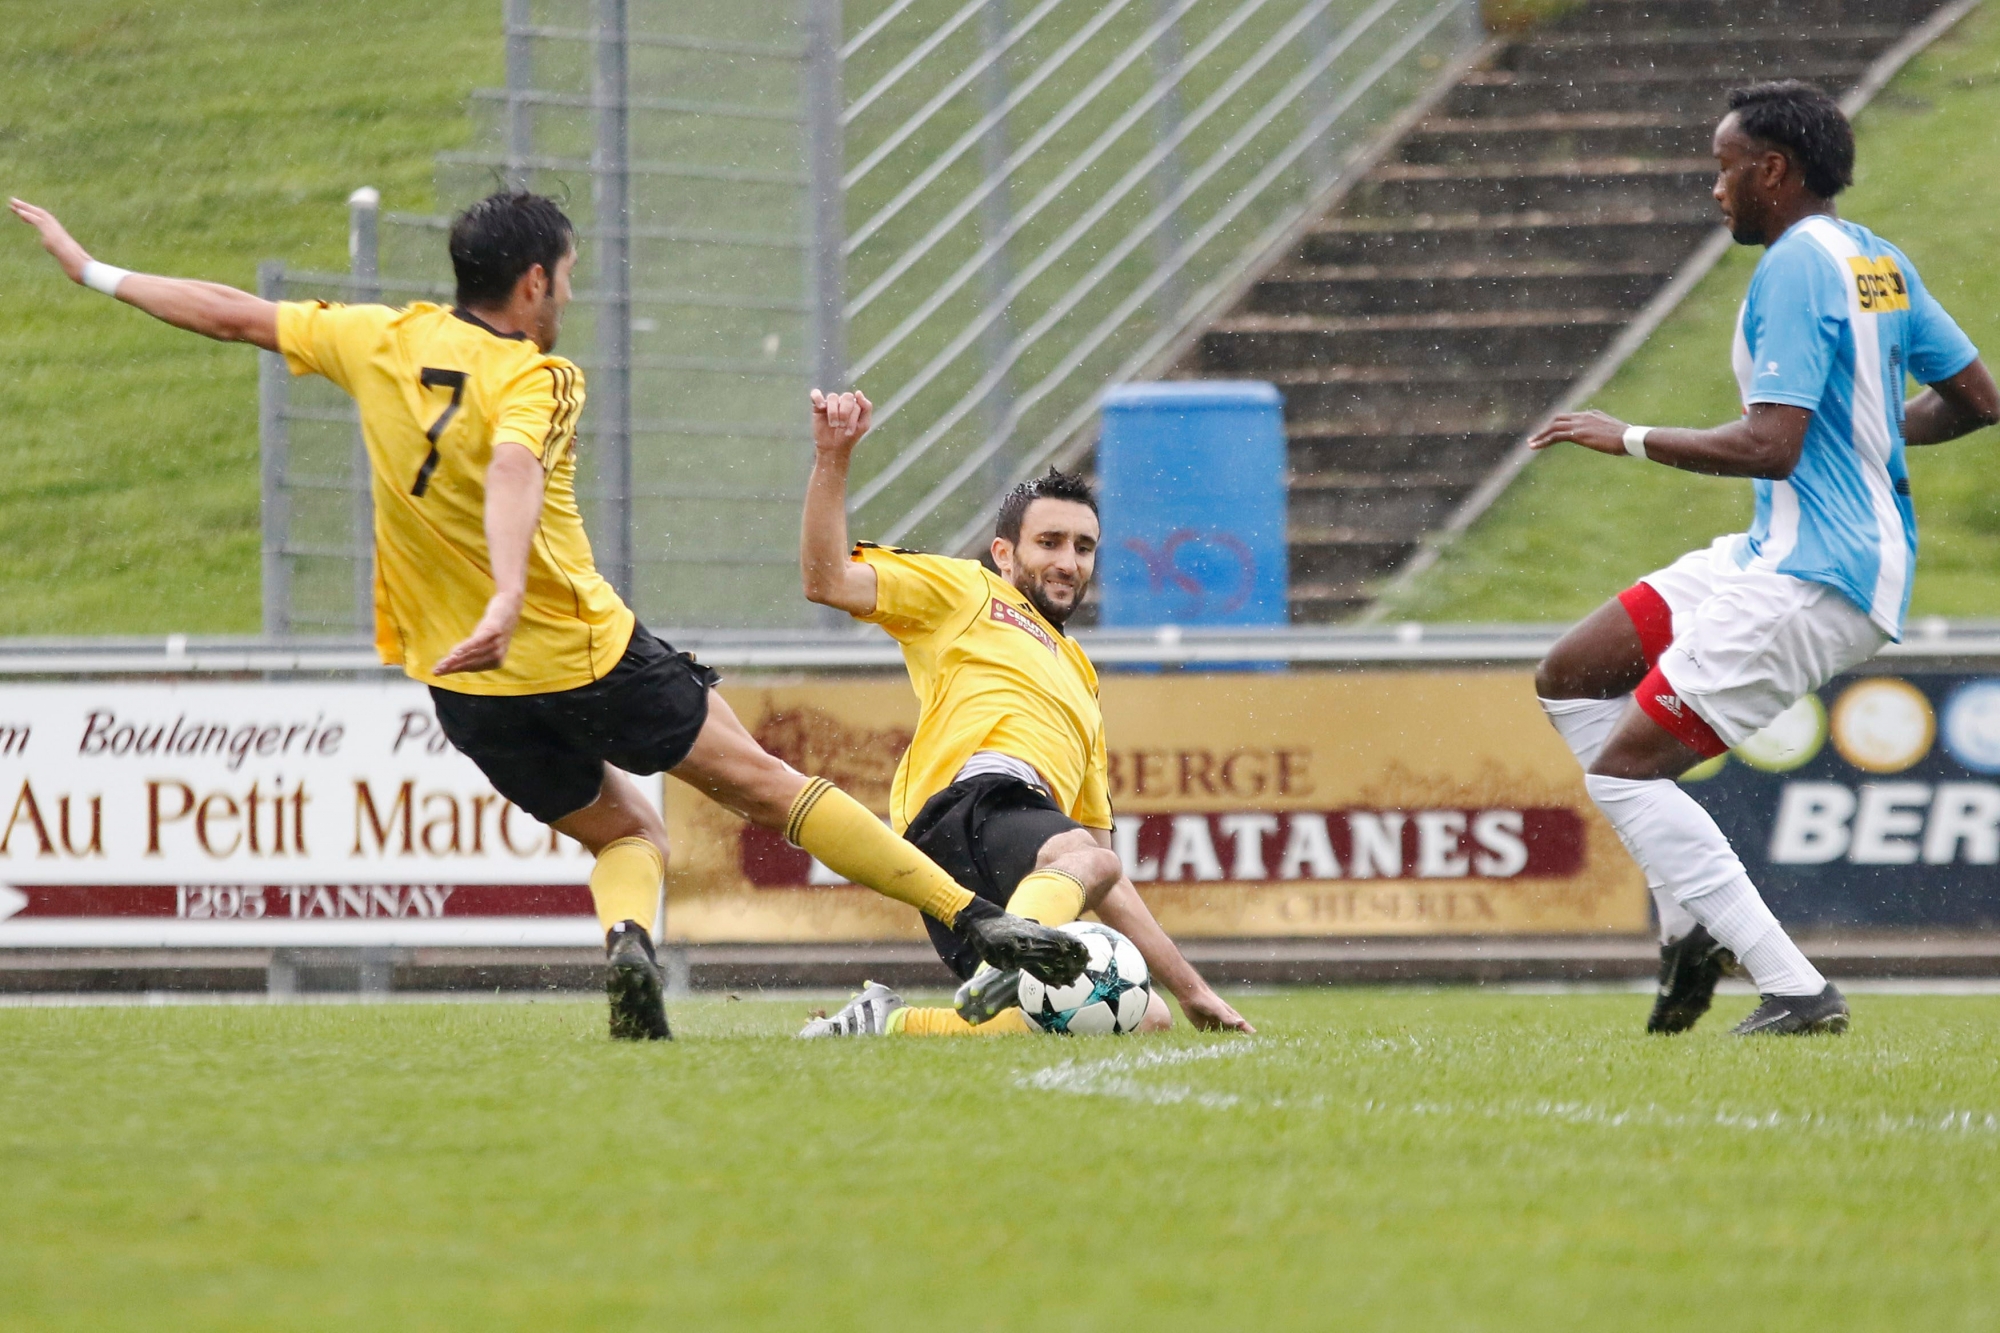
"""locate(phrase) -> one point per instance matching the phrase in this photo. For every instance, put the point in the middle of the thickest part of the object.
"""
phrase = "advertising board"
(1253, 804)
(1873, 804)
(1248, 804)
(265, 814)
(315, 813)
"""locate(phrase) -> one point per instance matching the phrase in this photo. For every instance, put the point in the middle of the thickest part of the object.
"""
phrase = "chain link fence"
(983, 212)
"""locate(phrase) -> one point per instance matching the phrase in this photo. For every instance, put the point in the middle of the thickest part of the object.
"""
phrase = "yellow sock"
(913, 1022)
(847, 839)
(625, 883)
(1052, 897)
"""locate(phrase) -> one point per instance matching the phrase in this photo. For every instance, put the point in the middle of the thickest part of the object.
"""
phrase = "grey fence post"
(364, 256)
(520, 79)
(995, 214)
(1321, 162)
(1168, 51)
(272, 387)
(826, 161)
(611, 377)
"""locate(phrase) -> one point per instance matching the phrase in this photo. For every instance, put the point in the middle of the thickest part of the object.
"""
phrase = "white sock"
(1586, 724)
(1676, 922)
(1677, 842)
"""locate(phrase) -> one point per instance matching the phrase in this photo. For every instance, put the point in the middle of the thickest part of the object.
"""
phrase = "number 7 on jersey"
(432, 378)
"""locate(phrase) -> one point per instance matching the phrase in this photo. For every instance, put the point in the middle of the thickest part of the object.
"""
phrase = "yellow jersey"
(990, 674)
(438, 389)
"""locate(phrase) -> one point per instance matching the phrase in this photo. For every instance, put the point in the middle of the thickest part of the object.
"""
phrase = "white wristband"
(104, 277)
(1635, 440)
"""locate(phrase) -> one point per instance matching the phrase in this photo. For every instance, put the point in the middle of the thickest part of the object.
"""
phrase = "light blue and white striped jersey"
(1835, 319)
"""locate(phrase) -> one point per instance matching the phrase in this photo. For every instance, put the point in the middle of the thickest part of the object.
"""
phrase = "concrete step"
(1559, 135)
(1580, 185)
(1420, 400)
(1512, 340)
(1626, 16)
(1729, 52)
(1612, 236)
(1319, 602)
(1368, 289)
(1397, 503)
(1344, 557)
(1458, 291)
(1350, 445)
(1503, 92)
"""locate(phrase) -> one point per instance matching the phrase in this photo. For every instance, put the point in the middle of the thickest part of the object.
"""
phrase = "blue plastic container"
(1191, 479)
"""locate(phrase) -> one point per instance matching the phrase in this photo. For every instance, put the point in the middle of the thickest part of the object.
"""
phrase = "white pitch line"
(1113, 1077)
(1655, 1116)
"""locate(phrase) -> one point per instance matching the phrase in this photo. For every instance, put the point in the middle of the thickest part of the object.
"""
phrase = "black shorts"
(985, 832)
(546, 752)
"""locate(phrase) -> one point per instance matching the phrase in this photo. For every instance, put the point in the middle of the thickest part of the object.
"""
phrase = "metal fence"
(983, 212)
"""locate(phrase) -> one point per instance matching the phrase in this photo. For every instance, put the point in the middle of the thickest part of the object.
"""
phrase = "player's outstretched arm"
(830, 576)
(513, 508)
(207, 308)
(1954, 407)
(1765, 442)
(1126, 912)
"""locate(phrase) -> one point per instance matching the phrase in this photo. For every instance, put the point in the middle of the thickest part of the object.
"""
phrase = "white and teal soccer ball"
(1110, 996)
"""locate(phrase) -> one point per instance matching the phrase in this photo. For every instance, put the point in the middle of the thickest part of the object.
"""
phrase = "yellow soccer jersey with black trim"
(990, 674)
(438, 389)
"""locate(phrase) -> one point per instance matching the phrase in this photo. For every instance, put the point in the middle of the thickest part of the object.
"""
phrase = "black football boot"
(1689, 969)
(1797, 1015)
(1008, 941)
(633, 984)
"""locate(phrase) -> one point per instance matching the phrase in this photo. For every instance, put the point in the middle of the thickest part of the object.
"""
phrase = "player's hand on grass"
(840, 420)
(1592, 430)
(1209, 1012)
(55, 240)
(486, 647)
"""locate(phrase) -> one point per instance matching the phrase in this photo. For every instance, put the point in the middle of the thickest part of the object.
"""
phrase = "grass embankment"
(195, 138)
(1371, 1161)
(1577, 527)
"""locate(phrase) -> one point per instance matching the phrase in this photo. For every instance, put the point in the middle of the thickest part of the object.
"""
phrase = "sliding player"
(1004, 782)
(1701, 655)
(486, 592)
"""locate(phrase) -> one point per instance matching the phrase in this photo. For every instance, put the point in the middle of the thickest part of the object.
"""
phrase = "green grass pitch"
(193, 137)
(1422, 1160)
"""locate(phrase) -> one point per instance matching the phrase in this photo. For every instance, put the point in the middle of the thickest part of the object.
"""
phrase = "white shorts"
(1748, 644)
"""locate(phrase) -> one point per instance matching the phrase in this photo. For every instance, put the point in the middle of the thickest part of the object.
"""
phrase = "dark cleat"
(633, 984)
(990, 992)
(1797, 1015)
(1007, 942)
(1689, 969)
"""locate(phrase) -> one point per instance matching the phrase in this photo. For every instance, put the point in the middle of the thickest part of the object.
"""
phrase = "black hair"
(503, 236)
(1053, 485)
(1803, 123)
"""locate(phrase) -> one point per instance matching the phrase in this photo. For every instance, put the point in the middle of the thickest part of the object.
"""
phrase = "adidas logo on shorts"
(1669, 702)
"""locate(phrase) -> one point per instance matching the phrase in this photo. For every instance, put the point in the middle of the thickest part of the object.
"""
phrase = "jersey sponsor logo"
(1879, 284)
(1008, 614)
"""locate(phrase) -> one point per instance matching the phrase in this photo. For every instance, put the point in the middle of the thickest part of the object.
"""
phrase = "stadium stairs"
(1457, 292)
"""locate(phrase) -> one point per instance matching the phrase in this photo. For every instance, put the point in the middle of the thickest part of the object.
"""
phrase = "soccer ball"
(1110, 996)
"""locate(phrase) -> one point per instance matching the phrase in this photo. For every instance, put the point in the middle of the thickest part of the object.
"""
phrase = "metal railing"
(1932, 642)
(1152, 151)
(984, 212)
